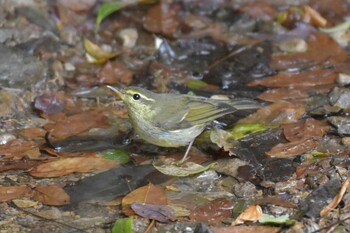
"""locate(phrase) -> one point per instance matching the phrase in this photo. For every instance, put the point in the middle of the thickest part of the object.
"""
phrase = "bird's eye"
(136, 96)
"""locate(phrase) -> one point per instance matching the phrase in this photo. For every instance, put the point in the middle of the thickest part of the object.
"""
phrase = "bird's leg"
(187, 152)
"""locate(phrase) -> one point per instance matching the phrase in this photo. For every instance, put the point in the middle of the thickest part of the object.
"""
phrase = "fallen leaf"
(289, 93)
(313, 17)
(162, 213)
(213, 211)
(281, 112)
(272, 220)
(315, 77)
(161, 18)
(259, 10)
(22, 164)
(24, 203)
(115, 72)
(336, 200)
(50, 103)
(77, 124)
(148, 194)
(252, 213)
(34, 133)
(16, 149)
(321, 48)
(305, 129)
(123, 225)
(246, 229)
(96, 54)
(8, 193)
(51, 195)
(171, 167)
(285, 150)
(67, 166)
(78, 5)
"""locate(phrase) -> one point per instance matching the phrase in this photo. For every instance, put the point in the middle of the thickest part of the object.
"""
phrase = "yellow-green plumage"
(171, 120)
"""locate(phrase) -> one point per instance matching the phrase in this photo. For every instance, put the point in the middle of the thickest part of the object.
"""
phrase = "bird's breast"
(156, 135)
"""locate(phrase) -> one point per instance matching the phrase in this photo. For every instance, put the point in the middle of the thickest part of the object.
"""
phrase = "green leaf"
(122, 225)
(280, 220)
(338, 28)
(196, 84)
(119, 155)
(172, 168)
(105, 10)
(241, 130)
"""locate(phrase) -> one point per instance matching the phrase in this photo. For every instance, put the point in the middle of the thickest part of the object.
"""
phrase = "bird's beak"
(119, 92)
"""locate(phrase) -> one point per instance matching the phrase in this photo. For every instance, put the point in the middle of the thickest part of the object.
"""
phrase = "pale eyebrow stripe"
(142, 96)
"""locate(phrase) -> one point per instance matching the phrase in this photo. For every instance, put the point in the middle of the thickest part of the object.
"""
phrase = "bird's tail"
(244, 104)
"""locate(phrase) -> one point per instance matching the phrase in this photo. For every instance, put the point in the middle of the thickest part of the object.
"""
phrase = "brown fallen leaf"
(115, 72)
(34, 133)
(161, 18)
(286, 150)
(336, 200)
(8, 193)
(251, 213)
(321, 48)
(315, 77)
(18, 148)
(289, 94)
(51, 195)
(246, 229)
(313, 17)
(23, 164)
(148, 194)
(259, 10)
(67, 166)
(213, 211)
(281, 112)
(305, 129)
(77, 124)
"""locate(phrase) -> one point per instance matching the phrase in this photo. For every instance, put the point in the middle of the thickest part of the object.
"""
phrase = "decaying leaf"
(18, 148)
(315, 77)
(321, 48)
(170, 167)
(148, 194)
(77, 124)
(161, 18)
(160, 213)
(33, 133)
(281, 112)
(214, 211)
(96, 54)
(290, 94)
(8, 193)
(67, 166)
(252, 213)
(285, 150)
(305, 129)
(336, 200)
(51, 195)
(246, 229)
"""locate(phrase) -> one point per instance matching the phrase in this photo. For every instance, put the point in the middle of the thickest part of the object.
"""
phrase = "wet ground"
(69, 161)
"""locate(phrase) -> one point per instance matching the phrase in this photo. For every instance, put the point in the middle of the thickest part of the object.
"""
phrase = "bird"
(174, 120)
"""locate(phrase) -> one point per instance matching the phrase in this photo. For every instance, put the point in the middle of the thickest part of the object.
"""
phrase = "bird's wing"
(202, 113)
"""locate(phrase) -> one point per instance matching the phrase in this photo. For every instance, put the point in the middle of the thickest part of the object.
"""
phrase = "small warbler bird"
(171, 120)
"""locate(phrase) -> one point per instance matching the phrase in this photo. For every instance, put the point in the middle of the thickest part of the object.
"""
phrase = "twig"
(52, 220)
(150, 226)
(331, 225)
